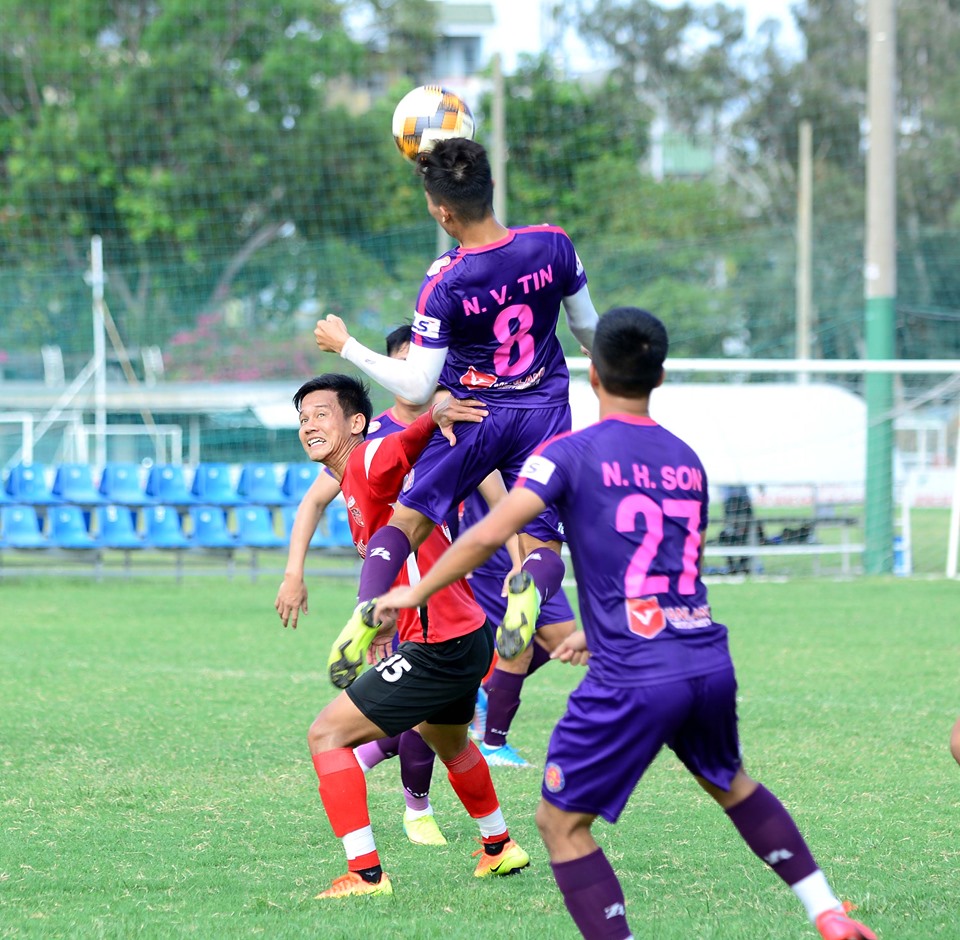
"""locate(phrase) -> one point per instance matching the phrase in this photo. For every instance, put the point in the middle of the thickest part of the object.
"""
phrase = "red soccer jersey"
(372, 480)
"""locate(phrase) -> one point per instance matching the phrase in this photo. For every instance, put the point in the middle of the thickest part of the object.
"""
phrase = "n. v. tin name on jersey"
(525, 284)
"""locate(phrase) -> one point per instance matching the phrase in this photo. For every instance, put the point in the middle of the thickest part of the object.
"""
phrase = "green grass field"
(156, 783)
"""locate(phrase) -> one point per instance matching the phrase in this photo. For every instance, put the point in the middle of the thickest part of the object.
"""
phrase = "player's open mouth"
(315, 440)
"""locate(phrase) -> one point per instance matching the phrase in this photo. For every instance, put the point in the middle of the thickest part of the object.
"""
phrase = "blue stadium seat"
(20, 527)
(120, 485)
(258, 485)
(210, 528)
(338, 525)
(213, 486)
(319, 538)
(167, 485)
(162, 528)
(255, 528)
(68, 528)
(116, 527)
(73, 483)
(297, 479)
(27, 485)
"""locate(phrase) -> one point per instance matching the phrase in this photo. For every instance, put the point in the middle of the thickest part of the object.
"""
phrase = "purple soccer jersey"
(496, 309)
(633, 501)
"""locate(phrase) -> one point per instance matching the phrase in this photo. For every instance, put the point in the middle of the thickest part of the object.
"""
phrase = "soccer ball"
(428, 114)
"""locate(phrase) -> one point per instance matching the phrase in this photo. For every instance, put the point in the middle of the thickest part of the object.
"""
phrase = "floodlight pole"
(880, 281)
(498, 143)
(99, 350)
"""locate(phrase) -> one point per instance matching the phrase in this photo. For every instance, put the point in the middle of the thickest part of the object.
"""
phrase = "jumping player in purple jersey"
(633, 501)
(485, 327)
(416, 756)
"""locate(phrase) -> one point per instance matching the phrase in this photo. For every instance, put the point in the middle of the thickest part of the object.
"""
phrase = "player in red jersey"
(416, 756)
(431, 680)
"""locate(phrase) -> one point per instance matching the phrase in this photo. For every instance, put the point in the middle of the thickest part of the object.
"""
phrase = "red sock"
(469, 775)
(343, 790)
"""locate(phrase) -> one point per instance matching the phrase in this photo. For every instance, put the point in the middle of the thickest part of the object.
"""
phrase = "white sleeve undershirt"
(581, 316)
(413, 378)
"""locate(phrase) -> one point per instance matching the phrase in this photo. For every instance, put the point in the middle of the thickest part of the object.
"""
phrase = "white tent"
(771, 433)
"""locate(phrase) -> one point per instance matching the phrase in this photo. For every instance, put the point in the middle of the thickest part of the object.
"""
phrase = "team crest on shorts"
(553, 778)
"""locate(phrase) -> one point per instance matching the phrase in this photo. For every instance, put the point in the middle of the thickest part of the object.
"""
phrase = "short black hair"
(398, 337)
(629, 349)
(353, 396)
(456, 173)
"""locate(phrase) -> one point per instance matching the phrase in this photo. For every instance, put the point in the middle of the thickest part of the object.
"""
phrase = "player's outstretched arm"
(292, 595)
(473, 548)
(413, 378)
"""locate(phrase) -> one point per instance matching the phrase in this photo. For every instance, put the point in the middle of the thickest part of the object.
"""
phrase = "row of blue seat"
(69, 526)
(124, 484)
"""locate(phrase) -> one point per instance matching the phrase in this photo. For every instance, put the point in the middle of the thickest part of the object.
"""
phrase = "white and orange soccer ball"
(428, 114)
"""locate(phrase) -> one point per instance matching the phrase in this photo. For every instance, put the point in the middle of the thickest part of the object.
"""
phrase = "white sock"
(816, 895)
(411, 814)
(359, 842)
(356, 754)
(493, 824)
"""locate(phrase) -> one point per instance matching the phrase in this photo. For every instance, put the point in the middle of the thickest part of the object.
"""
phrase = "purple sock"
(503, 700)
(772, 834)
(593, 896)
(416, 769)
(387, 551)
(546, 568)
(373, 752)
(541, 657)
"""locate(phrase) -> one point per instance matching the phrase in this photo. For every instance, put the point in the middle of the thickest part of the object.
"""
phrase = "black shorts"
(435, 682)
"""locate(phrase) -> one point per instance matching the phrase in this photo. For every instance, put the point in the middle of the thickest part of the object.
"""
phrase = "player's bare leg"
(469, 776)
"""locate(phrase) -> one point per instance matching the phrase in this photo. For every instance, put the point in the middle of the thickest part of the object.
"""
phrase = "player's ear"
(357, 423)
(593, 377)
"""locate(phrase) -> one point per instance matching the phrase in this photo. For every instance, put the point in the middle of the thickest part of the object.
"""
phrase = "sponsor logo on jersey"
(538, 469)
(645, 617)
(426, 326)
(474, 378)
(553, 778)
(439, 265)
(373, 426)
(355, 511)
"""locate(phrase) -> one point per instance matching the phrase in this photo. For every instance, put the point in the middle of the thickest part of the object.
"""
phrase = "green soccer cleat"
(423, 831)
(520, 617)
(350, 648)
(510, 859)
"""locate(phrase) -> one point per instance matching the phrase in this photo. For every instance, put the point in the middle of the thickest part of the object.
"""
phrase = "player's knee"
(414, 524)
(321, 736)
(556, 826)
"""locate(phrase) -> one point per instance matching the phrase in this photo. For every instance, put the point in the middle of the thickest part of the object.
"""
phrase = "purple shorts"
(609, 736)
(486, 587)
(444, 476)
